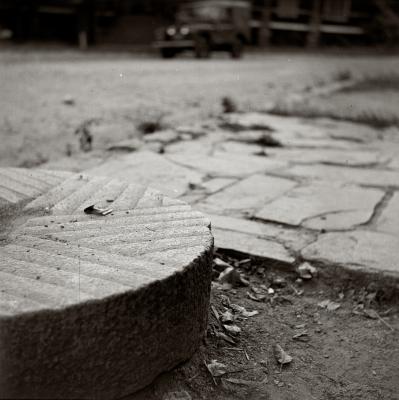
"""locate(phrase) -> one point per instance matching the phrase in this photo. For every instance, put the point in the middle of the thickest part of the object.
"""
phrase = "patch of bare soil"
(343, 342)
(371, 100)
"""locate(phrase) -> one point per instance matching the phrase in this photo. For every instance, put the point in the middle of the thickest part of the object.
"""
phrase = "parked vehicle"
(205, 26)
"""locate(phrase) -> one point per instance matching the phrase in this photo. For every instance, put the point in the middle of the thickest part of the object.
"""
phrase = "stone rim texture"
(143, 296)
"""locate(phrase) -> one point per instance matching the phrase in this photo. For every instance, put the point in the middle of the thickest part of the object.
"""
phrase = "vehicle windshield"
(202, 13)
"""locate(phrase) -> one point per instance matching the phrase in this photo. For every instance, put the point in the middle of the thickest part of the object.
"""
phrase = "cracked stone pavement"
(328, 195)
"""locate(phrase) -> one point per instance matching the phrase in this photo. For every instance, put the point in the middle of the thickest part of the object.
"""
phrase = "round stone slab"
(96, 306)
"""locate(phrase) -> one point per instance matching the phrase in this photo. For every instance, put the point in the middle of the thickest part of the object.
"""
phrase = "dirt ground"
(351, 352)
(348, 353)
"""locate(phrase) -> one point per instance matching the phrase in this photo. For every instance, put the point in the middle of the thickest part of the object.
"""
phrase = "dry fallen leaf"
(240, 382)
(303, 336)
(307, 271)
(223, 336)
(227, 317)
(216, 368)
(242, 310)
(220, 265)
(329, 305)
(256, 297)
(232, 329)
(180, 395)
(256, 290)
(281, 356)
(246, 313)
(232, 276)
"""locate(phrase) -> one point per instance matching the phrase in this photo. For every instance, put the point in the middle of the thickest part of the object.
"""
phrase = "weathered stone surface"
(254, 120)
(148, 168)
(241, 148)
(21, 184)
(250, 193)
(294, 128)
(194, 131)
(189, 147)
(361, 250)
(127, 145)
(164, 137)
(351, 132)
(192, 197)
(97, 306)
(351, 158)
(222, 164)
(250, 244)
(363, 176)
(323, 206)
(238, 121)
(292, 139)
(216, 184)
(394, 163)
(291, 238)
(389, 219)
(390, 134)
(78, 163)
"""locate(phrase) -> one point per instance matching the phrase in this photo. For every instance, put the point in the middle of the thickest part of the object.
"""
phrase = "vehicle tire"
(202, 49)
(167, 53)
(237, 48)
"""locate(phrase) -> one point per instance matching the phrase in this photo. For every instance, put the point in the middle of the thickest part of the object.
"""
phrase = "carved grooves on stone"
(108, 302)
(69, 256)
(18, 184)
(76, 193)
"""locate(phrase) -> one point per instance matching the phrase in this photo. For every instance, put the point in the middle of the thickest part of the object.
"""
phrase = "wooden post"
(264, 31)
(315, 21)
(83, 42)
(86, 28)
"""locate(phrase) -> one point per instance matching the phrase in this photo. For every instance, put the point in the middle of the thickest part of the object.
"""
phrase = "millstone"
(95, 306)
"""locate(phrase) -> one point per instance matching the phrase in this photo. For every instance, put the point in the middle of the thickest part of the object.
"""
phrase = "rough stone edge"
(171, 320)
(385, 282)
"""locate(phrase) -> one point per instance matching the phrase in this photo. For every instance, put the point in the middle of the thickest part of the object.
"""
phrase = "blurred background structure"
(86, 23)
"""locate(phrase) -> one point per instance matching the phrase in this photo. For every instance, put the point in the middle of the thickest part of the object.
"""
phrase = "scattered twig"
(384, 322)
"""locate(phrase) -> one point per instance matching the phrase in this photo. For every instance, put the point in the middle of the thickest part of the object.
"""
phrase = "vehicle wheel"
(167, 53)
(237, 48)
(201, 48)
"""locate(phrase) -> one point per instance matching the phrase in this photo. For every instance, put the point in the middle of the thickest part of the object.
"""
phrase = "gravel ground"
(120, 90)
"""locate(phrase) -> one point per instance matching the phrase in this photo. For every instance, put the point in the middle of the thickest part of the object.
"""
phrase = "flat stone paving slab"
(361, 250)
(256, 246)
(362, 176)
(293, 239)
(348, 158)
(147, 168)
(223, 164)
(250, 193)
(322, 205)
(97, 306)
(388, 221)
